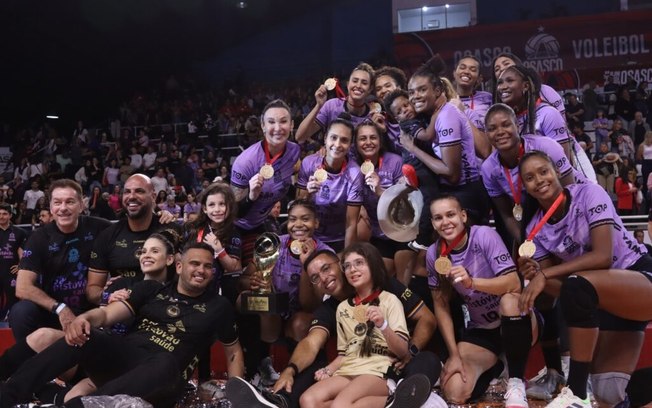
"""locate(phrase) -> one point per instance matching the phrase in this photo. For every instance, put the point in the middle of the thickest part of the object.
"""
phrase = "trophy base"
(275, 303)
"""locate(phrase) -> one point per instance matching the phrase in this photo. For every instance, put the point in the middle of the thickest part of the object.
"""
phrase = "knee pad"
(610, 387)
(579, 302)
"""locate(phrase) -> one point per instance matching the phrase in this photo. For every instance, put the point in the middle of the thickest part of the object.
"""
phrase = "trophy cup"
(265, 300)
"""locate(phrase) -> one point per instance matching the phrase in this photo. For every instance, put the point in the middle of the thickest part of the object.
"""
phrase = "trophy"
(265, 300)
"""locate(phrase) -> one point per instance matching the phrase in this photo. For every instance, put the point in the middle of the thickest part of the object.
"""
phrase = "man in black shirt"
(323, 270)
(12, 241)
(173, 321)
(53, 270)
(114, 250)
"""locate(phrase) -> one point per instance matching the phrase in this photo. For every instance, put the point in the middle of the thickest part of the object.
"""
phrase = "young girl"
(476, 264)
(371, 331)
(578, 226)
(334, 183)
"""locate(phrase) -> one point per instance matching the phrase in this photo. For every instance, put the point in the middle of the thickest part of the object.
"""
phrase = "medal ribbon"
(325, 166)
(516, 192)
(445, 249)
(269, 159)
(357, 301)
(338, 90)
(547, 215)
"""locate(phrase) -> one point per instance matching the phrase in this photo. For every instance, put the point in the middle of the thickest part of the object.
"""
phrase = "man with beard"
(53, 270)
(114, 250)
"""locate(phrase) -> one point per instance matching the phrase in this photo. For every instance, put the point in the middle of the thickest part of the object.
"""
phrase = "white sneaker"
(542, 373)
(515, 394)
(566, 399)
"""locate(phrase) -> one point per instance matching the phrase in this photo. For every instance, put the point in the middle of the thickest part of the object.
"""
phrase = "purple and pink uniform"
(552, 97)
(287, 271)
(484, 256)
(338, 192)
(247, 164)
(590, 207)
(477, 106)
(333, 108)
(389, 173)
(453, 128)
(493, 173)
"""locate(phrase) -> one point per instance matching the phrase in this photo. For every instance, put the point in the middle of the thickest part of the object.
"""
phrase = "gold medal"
(367, 167)
(296, 247)
(321, 175)
(443, 265)
(360, 329)
(527, 249)
(360, 313)
(330, 84)
(375, 107)
(267, 171)
(518, 212)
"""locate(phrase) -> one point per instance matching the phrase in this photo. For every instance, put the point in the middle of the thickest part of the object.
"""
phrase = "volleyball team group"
(422, 292)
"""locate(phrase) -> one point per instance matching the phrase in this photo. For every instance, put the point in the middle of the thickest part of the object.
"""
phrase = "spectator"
(160, 181)
(637, 128)
(115, 200)
(624, 107)
(171, 206)
(31, 198)
(604, 163)
(640, 238)
(626, 190)
(80, 133)
(574, 110)
(590, 100)
(12, 241)
(126, 169)
(149, 161)
(584, 140)
(111, 175)
(136, 159)
(191, 207)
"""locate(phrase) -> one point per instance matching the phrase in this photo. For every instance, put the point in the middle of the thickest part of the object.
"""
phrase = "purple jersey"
(552, 97)
(453, 128)
(393, 137)
(493, 173)
(484, 256)
(333, 108)
(477, 106)
(590, 206)
(549, 122)
(287, 271)
(247, 164)
(389, 173)
(334, 196)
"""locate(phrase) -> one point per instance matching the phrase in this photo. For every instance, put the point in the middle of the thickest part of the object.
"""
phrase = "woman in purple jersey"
(262, 174)
(500, 170)
(474, 263)
(386, 173)
(605, 296)
(467, 79)
(454, 142)
(387, 80)
(359, 87)
(334, 183)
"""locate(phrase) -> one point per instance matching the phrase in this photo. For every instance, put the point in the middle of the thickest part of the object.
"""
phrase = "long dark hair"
(225, 229)
(531, 95)
(531, 204)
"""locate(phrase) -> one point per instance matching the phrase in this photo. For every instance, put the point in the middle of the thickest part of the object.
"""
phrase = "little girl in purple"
(476, 264)
(584, 254)
(334, 183)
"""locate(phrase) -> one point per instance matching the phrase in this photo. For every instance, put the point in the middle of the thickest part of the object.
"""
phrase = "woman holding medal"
(371, 331)
(500, 170)
(262, 174)
(334, 183)
(604, 296)
(381, 170)
(474, 263)
(455, 156)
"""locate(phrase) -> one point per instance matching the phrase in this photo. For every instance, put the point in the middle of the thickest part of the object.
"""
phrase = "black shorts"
(489, 339)
(388, 247)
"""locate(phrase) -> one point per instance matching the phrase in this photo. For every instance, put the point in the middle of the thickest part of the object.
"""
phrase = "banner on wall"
(568, 52)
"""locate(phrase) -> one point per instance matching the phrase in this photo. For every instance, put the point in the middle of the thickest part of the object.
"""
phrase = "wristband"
(222, 253)
(294, 368)
(384, 326)
(54, 307)
(60, 308)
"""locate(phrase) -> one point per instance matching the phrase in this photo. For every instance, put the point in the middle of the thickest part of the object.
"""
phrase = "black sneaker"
(243, 394)
(412, 392)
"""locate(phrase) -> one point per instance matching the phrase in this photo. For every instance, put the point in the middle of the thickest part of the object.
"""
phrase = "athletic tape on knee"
(610, 387)
(579, 302)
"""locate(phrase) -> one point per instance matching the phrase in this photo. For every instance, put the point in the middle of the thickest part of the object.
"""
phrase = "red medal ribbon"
(338, 90)
(516, 192)
(269, 159)
(445, 249)
(357, 301)
(325, 166)
(547, 215)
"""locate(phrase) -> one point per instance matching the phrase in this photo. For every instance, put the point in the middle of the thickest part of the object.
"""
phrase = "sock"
(516, 332)
(485, 379)
(577, 377)
(550, 339)
(13, 357)
(551, 357)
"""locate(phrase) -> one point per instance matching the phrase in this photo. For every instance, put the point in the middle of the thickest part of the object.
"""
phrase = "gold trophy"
(265, 300)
